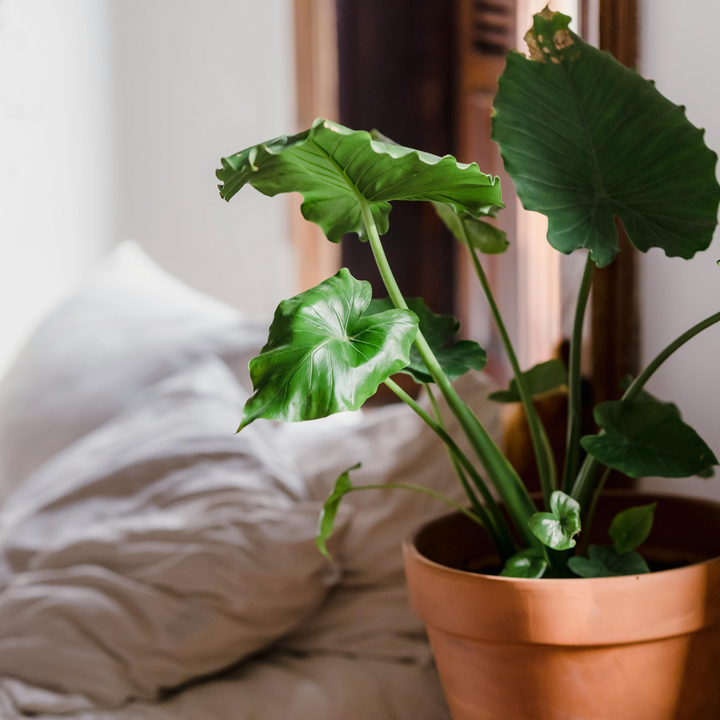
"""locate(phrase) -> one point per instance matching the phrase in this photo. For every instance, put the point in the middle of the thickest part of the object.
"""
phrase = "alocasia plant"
(590, 144)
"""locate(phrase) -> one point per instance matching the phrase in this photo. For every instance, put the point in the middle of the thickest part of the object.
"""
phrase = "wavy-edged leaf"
(326, 522)
(586, 139)
(472, 232)
(529, 563)
(647, 439)
(630, 528)
(557, 528)
(604, 561)
(332, 166)
(542, 378)
(454, 358)
(324, 355)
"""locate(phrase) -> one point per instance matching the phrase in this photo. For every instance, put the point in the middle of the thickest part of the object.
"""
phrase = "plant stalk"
(490, 513)
(426, 491)
(517, 500)
(541, 445)
(587, 521)
(591, 467)
(574, 423)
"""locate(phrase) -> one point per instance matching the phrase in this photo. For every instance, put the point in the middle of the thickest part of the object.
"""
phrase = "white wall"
(679, 51)
(113, 117)
(197, 81)
(57, 172)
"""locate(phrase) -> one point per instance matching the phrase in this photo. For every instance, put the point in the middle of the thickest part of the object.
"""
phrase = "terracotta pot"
(643, 647)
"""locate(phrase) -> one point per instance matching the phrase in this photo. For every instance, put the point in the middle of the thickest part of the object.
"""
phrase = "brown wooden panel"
(316, 92)
(396, 69)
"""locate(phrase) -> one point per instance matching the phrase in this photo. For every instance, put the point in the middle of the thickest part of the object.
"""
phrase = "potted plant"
(572, 623)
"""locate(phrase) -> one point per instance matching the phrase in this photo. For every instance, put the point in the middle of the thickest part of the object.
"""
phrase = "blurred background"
(114, 115)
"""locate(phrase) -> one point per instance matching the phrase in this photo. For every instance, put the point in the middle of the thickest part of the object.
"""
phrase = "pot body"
(643, 647)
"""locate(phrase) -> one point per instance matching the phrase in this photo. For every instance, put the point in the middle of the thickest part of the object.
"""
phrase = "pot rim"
(410, 547)
(597, 612)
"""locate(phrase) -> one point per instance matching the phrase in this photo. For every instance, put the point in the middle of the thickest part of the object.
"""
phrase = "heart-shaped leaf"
(606, 562)
(647, 439)
(542, 378)
(333, 166)
(326, 523)
(324, 355)
(557, 528)
(586, 140)
(529, 563)
(454, 358)
(630, 528)
(472, 232)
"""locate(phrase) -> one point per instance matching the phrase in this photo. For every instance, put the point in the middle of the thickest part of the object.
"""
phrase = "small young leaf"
(326, 521)
(324, 356)
(542, 378)
(472, 232)
(529, 563)
(630, 528)
(454, 358)
(605, 562)
(647, 438)
(557, 528)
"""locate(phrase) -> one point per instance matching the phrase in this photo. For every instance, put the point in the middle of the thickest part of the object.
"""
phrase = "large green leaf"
(557, 528)
(324, 355)
(586, 139)
(333, 166)
(542, 378)
(647, 438)
(470, 231)
(604, 561)
(454, 358)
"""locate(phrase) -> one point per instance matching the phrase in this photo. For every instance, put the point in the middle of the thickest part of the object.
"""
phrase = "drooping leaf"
(332, 166)
(326, 522)
(529, 563)
(557, 528)
(455, 358)
(472, 232)
(630, 528)
(647, 439)
(586, 139)
(542, 378)
(604, 561)
(324, 355)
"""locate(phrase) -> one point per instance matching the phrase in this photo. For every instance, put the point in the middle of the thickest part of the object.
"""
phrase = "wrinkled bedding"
(155, 566)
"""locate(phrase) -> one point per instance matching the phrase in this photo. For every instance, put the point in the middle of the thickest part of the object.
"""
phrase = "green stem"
(494, 521)
(541, 445)
(426, 491)
(504, 544)
(574, 425)
(587, 522)
(517, 500)
(637, 385)
(590, 469)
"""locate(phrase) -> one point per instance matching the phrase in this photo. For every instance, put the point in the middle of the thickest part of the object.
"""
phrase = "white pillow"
(158, 549)
(129, 326)
(367, 613)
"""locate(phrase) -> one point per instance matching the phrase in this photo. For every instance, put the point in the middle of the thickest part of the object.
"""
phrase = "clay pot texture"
(641, 647)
